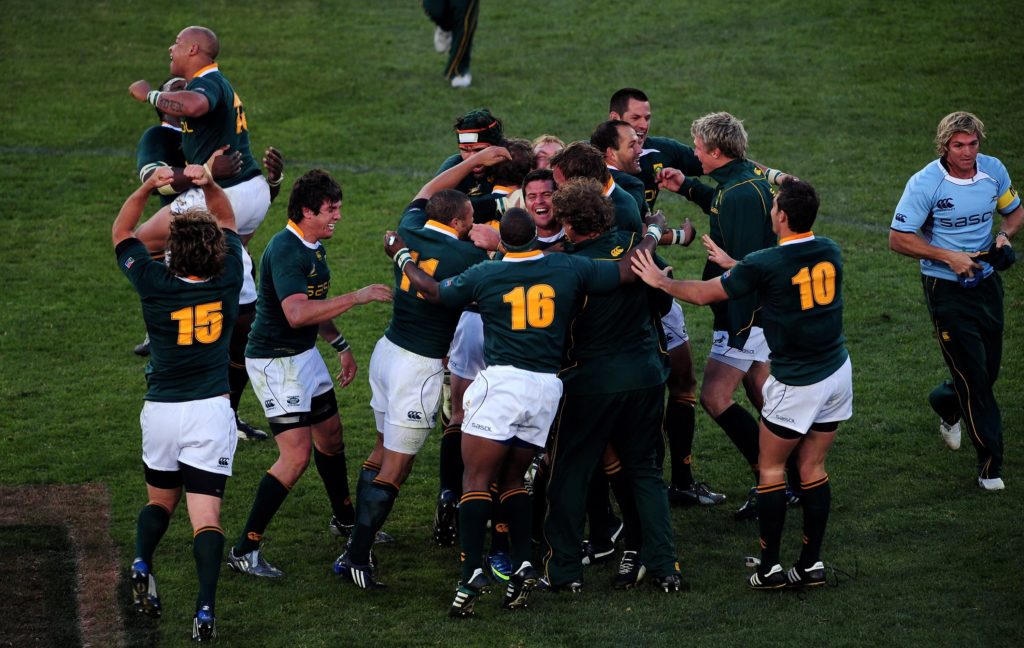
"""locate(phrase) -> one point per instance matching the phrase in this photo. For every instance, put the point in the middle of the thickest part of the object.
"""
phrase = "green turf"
(844, 94)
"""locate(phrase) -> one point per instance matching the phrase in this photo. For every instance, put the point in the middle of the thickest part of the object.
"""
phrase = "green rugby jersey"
(527, 301)
(290, 266)
(189, 322)
(224, 123)
(740, 210)
(417, 325)
(631, 185)
(800, 284)
(471, 185)
(614, 344)
(159, 146)
(661, 152)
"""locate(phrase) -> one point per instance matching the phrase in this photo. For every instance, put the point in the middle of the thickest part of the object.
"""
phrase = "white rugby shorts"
(674, 325)
(250, 201)
(799, 407)
(287, 385)
(466, 355)
(505, 402)
(199, 433)
(406, 394)
(755, 350)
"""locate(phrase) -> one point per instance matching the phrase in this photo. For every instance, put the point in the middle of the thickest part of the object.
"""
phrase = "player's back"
(527, 301)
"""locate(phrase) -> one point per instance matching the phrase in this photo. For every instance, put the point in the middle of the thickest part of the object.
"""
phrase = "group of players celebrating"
(530, 271)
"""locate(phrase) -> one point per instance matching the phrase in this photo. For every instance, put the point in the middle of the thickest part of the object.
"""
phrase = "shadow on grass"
(38, 602)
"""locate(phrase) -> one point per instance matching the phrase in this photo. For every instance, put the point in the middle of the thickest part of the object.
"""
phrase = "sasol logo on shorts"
(944, 203)
(269, 403)
(294, 400)
(484, 428)
(223, 461)
(786, 419)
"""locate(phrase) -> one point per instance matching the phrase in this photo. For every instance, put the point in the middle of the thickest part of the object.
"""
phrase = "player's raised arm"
(180, 103)
(131, 211)
(424, 284)
(451, 177)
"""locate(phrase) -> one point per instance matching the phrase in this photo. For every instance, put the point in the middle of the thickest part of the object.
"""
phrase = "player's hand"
(484, 237)
(392, 243)
(197, 174)
(273, 162)
(224, 163)
(658, 219)
(962, 263)
(348, 368)
(645, 268)
(716, 254)
(490, 156)
(372, 293)
(670, 179)
(689, 232)
(139, 90)
(161, 177)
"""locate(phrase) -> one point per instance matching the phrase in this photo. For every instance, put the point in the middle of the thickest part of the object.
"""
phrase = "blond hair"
(953, 123)
(722, 131)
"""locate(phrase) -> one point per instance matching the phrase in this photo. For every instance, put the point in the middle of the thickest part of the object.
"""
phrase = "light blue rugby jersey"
(952, 213)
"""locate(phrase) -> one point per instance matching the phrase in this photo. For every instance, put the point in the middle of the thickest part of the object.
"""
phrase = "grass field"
(844, 94)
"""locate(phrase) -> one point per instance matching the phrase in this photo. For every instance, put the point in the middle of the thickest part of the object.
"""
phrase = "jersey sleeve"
(597, 276)
(914, 206)
(415, 215)
(289, 277)
(150, 154)
(458, 291)
(1008, 199)
(134, 261)
(697, 192)
(743, 278)
(209, 89)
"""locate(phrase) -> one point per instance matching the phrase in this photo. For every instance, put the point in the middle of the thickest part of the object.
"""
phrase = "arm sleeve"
(133, 259)
(207, 88)
(289, 278)
(743, 278)
(1008, 199)
(697, 192)
(415, 214)
(913, 208)
(457, 291)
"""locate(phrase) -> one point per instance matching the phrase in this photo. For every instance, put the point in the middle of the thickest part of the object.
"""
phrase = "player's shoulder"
(928, 178)
(990, 165)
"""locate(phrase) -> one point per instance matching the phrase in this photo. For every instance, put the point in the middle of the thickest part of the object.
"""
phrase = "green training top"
(614, 344)
(290, 266)
(740, 210)
(416, 324)
(661, 152)
(189, 322)
(800, 284)
(159, 146)
(527, 301)
(224, 123)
